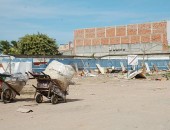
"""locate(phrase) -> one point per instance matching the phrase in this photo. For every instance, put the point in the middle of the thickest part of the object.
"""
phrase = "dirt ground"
(94, 103)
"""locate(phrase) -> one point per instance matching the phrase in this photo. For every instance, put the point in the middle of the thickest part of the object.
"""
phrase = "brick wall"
(110, 32)
(121, 31)
(89, 33)
(130, 34)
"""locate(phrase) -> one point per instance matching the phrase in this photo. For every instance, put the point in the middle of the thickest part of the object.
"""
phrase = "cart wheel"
(64, 100)
(54, 99)
(39, 98)
(6, 95)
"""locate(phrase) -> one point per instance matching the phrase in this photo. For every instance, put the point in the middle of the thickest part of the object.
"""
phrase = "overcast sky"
(59, 18)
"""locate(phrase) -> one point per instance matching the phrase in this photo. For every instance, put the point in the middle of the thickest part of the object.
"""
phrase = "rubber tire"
(39, 98)
(54, 99)
(6, 95)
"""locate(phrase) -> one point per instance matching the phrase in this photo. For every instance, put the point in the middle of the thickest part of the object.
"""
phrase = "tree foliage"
(37, 44)
(7, 47)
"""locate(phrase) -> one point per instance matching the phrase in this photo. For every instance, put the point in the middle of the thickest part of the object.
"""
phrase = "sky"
(59, 18)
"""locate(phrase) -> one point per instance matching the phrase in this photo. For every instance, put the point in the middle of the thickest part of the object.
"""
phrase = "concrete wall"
(133, 38)
(168, 32)
(100, 50)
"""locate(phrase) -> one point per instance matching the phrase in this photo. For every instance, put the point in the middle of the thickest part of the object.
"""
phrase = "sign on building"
(132, 59)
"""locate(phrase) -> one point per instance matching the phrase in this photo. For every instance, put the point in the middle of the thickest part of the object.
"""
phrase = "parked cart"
(10, 86)
(49, 88)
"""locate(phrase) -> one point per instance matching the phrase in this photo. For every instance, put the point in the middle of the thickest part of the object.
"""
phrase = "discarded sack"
(60, 73)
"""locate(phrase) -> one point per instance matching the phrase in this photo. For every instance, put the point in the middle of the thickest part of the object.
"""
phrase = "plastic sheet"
(17, 81)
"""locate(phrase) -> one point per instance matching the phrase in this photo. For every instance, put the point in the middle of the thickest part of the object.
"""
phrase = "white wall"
(168, 32)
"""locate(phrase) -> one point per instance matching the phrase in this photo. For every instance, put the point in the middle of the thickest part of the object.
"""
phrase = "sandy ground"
(94, 103)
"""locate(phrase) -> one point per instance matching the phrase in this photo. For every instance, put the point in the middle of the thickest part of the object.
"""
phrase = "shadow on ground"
(61, 101)
(24, 100)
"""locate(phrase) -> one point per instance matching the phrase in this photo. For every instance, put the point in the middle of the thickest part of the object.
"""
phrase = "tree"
(5, 47)
(14, 47)
(37, 44)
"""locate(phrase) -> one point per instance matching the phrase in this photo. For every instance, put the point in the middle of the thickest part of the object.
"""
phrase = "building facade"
(66, 49)
(152, 37)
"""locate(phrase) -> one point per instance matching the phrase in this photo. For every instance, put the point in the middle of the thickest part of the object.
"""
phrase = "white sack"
(60, 69)
(60, 73)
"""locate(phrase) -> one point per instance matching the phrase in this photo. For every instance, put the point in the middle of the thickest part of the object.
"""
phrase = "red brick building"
(151, 37)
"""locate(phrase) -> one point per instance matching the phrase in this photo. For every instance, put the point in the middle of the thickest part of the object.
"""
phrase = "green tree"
(5, 47)
(14, 49)
(37, 44)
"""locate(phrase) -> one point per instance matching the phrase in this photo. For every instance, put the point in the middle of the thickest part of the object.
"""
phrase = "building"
(152, 37)
(66, 49)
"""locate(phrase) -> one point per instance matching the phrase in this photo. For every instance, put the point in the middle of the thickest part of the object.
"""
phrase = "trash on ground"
(136, 74)
(123, 67)
(24, 110)
(101, 69)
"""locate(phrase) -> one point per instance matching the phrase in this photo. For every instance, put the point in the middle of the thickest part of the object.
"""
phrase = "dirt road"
(94, 103)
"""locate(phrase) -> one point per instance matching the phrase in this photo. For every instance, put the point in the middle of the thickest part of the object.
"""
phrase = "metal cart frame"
(48, 88)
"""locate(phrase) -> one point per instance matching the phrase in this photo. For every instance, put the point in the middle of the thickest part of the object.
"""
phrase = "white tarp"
(17, 67)
(25, 67)
(1, 70)
(60, 73)
(6, 66)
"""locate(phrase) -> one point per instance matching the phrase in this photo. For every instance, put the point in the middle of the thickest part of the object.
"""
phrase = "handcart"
(49, 88)
(10, 86)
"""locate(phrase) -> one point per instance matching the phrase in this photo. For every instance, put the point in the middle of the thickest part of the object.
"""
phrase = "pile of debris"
(144, 73)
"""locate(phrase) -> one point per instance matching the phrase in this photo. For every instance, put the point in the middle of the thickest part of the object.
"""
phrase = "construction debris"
(155, 69)
(123, 67)
(101, 69)
(147, 68)
(136, 74)
(24, 110)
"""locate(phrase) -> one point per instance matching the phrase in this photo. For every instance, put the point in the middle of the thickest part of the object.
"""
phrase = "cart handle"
(4, 75)
(46, 75)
